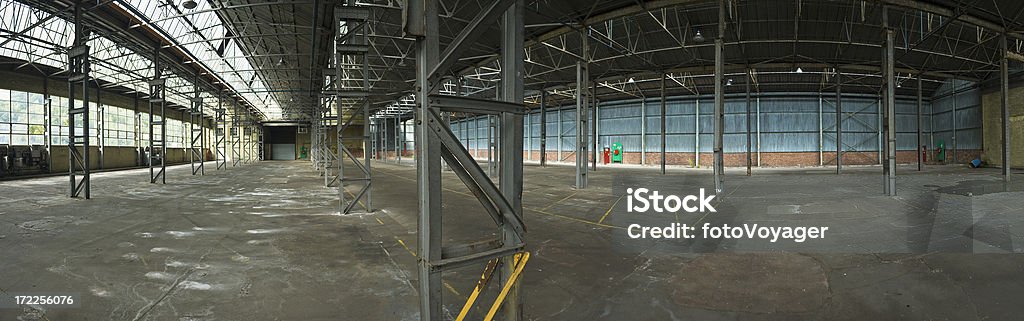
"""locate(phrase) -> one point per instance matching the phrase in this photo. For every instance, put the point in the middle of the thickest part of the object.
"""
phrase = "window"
(175, 131)
(5, 117)
(118, 126)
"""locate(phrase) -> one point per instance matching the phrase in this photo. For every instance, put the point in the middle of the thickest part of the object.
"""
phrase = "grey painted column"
(839, 122)
(100, 125)
(428, 168)
(558, 135)
(719, 99)
(492, 169)
(581, 125)
(890, 107)
(593, 125)
(1004, 97)
(696, 130)
(528, 142)
(511, 153)
(543, 127)
(757, 111)
(663, 127)
(399, 140)
(921, 134)
(747, 82)
(643, 131)
(821, 129)
(952, 142)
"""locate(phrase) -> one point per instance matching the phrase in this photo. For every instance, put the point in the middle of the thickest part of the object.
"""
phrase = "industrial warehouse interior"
(425, 160)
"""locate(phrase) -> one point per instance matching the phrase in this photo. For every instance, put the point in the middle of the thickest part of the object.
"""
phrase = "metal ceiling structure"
(272, 53)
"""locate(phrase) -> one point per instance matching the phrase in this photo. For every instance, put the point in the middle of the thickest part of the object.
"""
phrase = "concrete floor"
(264, 242)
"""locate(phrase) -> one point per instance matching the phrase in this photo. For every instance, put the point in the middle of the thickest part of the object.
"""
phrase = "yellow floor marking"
(610, 209)
(354, 196)
(559, 201)
(541, 211)
(452, 289)
(447, 189)
(573, 218)
(379, 221)
(405, 246)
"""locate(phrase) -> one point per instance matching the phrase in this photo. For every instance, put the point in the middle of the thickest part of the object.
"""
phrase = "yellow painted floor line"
(447, 189)
(405, 246)
(610, 209)
(573, 218)
(452, 289)
(360, 202)
(559, 201)
(379, 221)
(541, 211)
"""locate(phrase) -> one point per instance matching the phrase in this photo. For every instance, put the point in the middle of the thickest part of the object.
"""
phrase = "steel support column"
(1004, 101)
(664, 109)
(747, 98)
(196, 142)
(100, 115)
(511, 155)
(719, 99)
(582, 79)
(921, 132)
(543, 127)
(434, 141)
(157, 144)
(78, 142)
(428, 163)
(351, 62)
(643, 131)
(220, 133)
(839, 122)
(236, 135)
(889, 127)
(594, 116)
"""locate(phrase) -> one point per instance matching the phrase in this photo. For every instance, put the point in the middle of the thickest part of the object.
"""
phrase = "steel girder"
(78, 60)
(197, 155)
(351, 62)
(220, 132)
(435, 141)
(157, 104)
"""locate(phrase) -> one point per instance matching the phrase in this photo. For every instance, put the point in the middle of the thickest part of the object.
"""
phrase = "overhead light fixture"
(698, 37)
(799, 70)
(189, 4)
(728, 82)
(280, 61)
(631, 80)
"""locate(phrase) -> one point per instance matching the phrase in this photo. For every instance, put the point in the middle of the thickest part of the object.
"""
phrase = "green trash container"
(617, 152)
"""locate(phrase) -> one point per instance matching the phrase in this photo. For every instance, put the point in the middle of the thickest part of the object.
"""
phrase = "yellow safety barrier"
(520, 263)
(480, 284)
